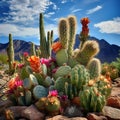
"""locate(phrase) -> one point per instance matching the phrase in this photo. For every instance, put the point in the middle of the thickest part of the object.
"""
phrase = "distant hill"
(108, 52)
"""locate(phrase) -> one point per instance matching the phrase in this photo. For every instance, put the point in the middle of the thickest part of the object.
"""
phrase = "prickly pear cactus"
(27, 83)
(62, 71)
(39, 92)
(61, 57)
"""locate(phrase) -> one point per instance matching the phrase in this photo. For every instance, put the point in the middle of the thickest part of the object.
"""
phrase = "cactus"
(10, 52)
(52, 105)
(24, 74)
(33, 80)
(33, 52)
(94, 68)
(27, 83)
(39, 92)
(61, 57)
(51, 37)
(63, 32)
(92, 100)
(49, 43)
(62, 71)
(72, 33)
(43, 43)
(88, 51)
(44, 69)
(25, 99)
(79, 76)
(38, 52)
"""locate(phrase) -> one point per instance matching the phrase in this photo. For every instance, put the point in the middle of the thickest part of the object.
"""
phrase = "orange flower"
(35, 63)
(56, 46)
(11, 84)
(84, 21)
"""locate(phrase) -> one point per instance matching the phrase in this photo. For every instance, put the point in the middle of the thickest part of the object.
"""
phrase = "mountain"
(108, 52)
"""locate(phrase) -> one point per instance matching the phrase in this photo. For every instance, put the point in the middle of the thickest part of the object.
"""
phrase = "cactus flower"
(53, 93)
(56, 46)
(35, 63)
(25, 54)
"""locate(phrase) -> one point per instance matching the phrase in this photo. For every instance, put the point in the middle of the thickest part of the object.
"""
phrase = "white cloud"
(27, 10)
(48, 15)
(94, 9)
(76, 10)
(17, 30)
(63, 1)
(111, 26)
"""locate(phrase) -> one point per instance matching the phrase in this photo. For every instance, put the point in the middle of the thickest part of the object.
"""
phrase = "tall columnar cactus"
(33, 52)
(43, 43)
(49, 41)
(63, 32)
(88, 51)
(10, 52)
(72, 32)
(51, 37)
(94, 68)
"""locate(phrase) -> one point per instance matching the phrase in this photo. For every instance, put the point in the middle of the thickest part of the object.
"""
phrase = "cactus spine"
(43, 44)
(10, 52)
(94, 68)
(88, 51)
(33, 52)
(63, 32)
(72, 32)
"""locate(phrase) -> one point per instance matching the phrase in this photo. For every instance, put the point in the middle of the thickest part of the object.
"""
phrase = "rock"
(60, 117)
(92, 116)
(115, 91)
(114, 101)
(5, 104)
(73, 111)
(110, 112)
(17, 110)
(116, 80)
(32, 113)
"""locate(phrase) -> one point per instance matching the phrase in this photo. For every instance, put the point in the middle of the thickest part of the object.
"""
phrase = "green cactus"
(38, 52)
(10, 52)
(44, 69)
(52, 105)
(24, 74)
(39, 92)
(92, 100)
(27, 83)
(33, 51)
(63, 32)
(49, 43)
(33, 80)
(43, 43)
(61, 57)
(62, 71)
(25, 99)
(51, 37)
(94, 68)
(72, 32)
(79, 76)
(88, 51)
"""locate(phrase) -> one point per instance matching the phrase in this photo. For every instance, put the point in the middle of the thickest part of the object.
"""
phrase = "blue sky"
(21, 18)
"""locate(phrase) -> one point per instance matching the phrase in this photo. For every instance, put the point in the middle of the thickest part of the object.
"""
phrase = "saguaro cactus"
(43, 44)
(10, 52)
(33, 52)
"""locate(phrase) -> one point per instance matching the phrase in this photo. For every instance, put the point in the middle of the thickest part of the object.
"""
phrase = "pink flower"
(45, 61)
(54, 70)
(25, 54)
(20, 65)
(53, 93)
(64, 97)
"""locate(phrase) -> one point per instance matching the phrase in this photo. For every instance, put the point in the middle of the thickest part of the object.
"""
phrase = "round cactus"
(33, 80)
(39, 92)
(52, 105)
(27, 83)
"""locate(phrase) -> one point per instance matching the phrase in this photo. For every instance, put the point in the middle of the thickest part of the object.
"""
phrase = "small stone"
(32, 113)
(73, 111)
(17, 110)
(5, 104)
(92, 116)
(111, 112)
(60, 117)
(114, 101)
